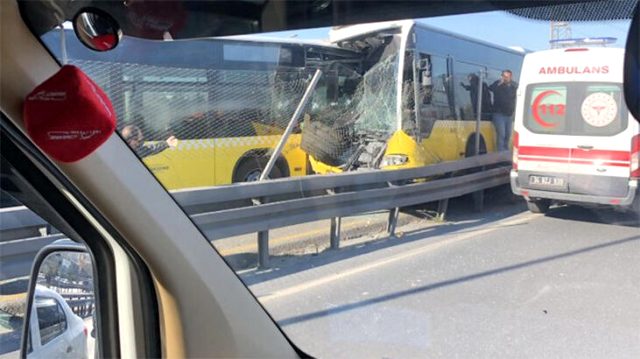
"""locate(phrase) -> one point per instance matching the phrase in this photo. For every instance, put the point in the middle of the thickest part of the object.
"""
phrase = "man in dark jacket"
(504, 103)
(134, 137)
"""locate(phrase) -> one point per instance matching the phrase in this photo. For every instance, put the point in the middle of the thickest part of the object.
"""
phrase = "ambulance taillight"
(514, 160)
(635, 157)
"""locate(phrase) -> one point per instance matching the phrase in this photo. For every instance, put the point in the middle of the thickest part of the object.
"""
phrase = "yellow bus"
(226, 100)
(421, 97)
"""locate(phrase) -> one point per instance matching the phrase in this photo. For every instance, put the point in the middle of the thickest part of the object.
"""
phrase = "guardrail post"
(334, 239)
(443, 205)
(393, 221)
(263, 249)
(478, 200)
(263, 241)
(336, 222)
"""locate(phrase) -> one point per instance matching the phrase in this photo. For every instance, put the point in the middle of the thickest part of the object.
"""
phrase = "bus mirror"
(632, 66)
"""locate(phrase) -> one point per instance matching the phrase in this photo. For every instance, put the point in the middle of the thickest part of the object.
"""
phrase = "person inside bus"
(504, 103)
(134, 137)
(472, 87)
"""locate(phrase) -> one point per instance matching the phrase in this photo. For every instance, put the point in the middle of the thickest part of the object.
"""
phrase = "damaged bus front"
(406, 104)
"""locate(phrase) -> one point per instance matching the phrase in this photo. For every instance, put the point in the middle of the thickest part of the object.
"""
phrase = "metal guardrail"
(18, 255)
(196, 201)
(82, 304)
(242, 208)
(19, 217)
(267, 216)
(260, 206)
(20, 222)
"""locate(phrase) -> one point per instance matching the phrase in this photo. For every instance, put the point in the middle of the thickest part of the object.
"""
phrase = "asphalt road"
(498, 283)
(504, 283)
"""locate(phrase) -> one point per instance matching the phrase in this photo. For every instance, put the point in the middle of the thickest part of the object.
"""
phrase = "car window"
(373, 230)
(52, 320)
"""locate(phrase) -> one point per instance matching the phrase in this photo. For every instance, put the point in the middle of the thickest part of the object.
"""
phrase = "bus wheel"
(251, 168)
(538, 205)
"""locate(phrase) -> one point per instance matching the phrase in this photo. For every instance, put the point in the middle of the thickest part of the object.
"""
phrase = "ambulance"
(574, 139)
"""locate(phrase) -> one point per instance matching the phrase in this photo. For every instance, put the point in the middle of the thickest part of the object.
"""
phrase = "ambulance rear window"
(575, 108)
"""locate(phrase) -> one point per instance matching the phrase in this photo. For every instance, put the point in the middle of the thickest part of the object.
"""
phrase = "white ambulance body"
(575, 140)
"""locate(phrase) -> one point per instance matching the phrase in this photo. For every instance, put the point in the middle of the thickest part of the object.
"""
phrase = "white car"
(54, 330)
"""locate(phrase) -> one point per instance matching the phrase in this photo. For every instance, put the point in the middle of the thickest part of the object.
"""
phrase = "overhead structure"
(560, 31)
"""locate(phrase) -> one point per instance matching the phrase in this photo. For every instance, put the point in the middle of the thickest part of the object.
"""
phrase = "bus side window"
(433, 104)
(470, 82)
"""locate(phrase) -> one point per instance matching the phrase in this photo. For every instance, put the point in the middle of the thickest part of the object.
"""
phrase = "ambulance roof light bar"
(583, 41)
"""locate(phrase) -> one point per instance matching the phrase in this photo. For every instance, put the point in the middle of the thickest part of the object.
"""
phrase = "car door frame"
(29, 164)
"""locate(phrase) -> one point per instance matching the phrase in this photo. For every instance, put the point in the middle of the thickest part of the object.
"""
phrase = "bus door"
(436, 122)
(472, 106)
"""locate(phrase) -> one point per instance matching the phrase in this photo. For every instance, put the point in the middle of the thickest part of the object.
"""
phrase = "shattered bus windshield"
(414, 102)
(351, 130)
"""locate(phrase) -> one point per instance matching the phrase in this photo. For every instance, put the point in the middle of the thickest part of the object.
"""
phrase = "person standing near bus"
(504, 104)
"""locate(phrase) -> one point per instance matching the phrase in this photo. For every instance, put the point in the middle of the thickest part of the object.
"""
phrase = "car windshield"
(412, 188)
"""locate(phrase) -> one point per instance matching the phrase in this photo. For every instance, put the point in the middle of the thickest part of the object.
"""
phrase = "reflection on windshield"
(475, 272)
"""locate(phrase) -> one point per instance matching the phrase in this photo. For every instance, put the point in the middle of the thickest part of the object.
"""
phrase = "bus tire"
(538, 205)
(250, 169)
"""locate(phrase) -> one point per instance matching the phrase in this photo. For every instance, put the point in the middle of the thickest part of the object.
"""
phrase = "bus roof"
(201, 53)
(340, 33)
(279, 40)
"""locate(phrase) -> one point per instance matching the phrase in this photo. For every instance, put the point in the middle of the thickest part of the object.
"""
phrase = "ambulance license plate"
(546, 181)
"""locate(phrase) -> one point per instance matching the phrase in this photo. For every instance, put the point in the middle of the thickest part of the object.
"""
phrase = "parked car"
(55, 331)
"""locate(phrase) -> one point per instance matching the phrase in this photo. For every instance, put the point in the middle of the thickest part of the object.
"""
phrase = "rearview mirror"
(632, 66)
(60, 304)
(97, 30)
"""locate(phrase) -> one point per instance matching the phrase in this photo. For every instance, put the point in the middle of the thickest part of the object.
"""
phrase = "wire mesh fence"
(198, 103)
(244, 104)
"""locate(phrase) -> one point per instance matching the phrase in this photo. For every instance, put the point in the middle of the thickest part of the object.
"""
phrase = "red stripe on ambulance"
(575, 156)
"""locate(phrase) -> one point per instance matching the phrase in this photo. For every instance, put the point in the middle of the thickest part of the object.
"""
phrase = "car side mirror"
(632, 66)
(61, 305)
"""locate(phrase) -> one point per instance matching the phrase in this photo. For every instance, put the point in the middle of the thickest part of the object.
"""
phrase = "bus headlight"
(394, 160)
